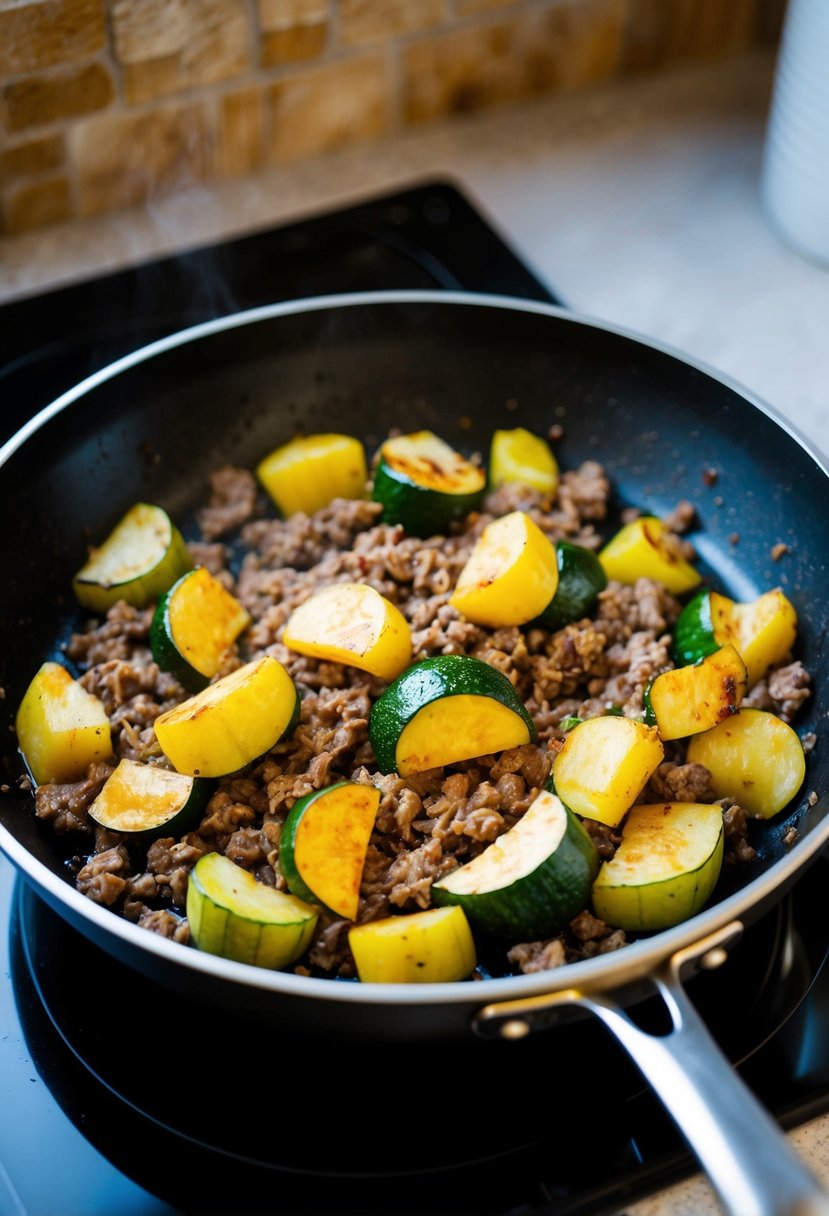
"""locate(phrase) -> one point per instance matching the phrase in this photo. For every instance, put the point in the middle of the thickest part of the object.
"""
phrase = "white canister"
(795, 175)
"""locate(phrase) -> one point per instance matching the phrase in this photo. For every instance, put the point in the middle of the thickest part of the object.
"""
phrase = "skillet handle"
(741, 1148)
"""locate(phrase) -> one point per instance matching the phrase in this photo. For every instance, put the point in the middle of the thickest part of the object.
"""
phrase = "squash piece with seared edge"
(755, 758)
(310, 471)
(518, 455)
(424, 484)
(232, 722)
(61, 728)
(665, 869)
(236, 917)
(351, 623)
(529, 882)
(604, 765)
(445, 709)
(194, 625)
(762, 630)
(510, 576)
(149, 801)
(432, 947)
(687, 700)
(143, 556)
(322, 846)
(646, 548)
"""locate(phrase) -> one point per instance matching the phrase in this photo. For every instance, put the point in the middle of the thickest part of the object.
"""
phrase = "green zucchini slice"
(445, 709)
(666, 867)
(322, 847)
(236, 917)
(581, 577)
(529, 882)
(143, 556)
(148, 801)
(194, 625)
(424, 484)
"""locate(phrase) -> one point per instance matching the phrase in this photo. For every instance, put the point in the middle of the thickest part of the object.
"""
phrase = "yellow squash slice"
(665, 869)
(352, 623)
(646, 548)
(520, 456)
(231, 722)
(604, 765)
(61, 728)
(310, 471)
(754, 758)
(688, 700)
(763, 631)
(511, 575)
(432, 947)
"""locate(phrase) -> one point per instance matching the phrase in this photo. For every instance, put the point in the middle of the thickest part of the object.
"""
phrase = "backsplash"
(105, 105)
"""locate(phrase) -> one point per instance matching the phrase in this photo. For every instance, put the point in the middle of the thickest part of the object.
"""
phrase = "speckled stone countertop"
(637, 203)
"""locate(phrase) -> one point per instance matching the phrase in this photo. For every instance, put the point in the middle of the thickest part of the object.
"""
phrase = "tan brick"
(36, 36)
(34, 156)
(561, 46)
(123, 159)
(324, 107)
(663, 32)
(372, 20)
(279, 14)
(241, 146)
(149, 29)
(215, 46)
(463, 7)
(291, 45)
(39, 203)
(293, 30)
(43, 99)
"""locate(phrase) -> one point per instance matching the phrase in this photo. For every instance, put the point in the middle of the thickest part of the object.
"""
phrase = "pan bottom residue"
(211, 1111)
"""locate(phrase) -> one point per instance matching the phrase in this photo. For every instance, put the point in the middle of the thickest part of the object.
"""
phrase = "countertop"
(638, 203)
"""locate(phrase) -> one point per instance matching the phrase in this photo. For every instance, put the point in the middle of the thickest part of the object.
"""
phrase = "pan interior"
(664, 430)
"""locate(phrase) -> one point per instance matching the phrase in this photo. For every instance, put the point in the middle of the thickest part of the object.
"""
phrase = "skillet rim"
(602, 973)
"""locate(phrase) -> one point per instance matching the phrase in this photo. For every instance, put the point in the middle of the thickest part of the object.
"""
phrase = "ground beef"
(65, 806)
(429, 824)
(233, 495)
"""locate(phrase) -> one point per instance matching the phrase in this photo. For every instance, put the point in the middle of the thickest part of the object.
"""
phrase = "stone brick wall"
(105, 103)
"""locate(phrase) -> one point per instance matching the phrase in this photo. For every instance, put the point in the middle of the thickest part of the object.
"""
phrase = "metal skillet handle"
(748, 1160)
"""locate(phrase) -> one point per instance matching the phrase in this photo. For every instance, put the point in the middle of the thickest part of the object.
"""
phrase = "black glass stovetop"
(119, 1098)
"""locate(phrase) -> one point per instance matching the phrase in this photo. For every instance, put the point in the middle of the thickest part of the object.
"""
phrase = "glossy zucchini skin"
(422, 509)
(581, 577)
(539, 903)
(430, 680)
(328, 870)
(694, 631)
(195, 592)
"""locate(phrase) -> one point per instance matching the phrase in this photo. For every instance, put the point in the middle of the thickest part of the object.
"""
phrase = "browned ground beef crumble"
(428, 824)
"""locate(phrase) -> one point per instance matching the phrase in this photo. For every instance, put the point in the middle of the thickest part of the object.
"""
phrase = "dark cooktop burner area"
(428, 237)
(120, 1096)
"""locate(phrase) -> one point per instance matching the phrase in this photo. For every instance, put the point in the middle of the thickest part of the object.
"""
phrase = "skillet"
(152, 426)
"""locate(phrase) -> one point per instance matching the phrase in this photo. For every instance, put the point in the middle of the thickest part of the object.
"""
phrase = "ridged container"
(795, 176)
